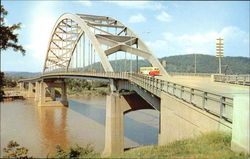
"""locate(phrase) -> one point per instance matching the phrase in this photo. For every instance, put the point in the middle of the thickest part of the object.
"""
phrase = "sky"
(167, 27)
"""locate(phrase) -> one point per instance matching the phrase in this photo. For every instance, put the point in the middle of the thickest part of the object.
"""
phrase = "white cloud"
(40, 30)
(139, 4)
(137, 18)
(164, 16)
(85, 3)
(235, 43)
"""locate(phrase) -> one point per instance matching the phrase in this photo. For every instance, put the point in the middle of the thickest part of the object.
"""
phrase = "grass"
(214, 145)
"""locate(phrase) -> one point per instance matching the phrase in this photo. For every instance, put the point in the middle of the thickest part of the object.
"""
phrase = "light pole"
(219, 51)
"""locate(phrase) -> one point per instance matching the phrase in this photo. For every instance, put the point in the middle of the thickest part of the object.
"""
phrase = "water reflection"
(52, 124)
(143, 134)
(40, 129)
(89, 110)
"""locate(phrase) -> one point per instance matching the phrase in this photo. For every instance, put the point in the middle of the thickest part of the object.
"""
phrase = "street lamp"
(219, 51)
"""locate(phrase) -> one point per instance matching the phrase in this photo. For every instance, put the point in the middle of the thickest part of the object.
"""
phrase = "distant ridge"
(178, 63)
(16, 74)
(207, 64)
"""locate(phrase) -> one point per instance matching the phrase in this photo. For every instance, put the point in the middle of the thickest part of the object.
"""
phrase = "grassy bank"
(214, 145)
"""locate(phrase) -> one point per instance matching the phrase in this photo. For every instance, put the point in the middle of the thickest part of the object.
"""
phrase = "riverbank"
(214, 145)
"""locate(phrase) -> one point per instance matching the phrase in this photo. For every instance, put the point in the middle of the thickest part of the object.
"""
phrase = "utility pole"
(219, 51)
(195, 63)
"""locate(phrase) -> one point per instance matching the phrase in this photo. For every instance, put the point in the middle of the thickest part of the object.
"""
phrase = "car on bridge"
(151, 71)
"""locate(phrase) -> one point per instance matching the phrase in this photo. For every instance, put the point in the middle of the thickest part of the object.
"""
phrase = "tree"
(8, 38)
(1, 86)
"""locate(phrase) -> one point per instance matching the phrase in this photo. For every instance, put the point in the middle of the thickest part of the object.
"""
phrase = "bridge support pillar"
(21, 86)
(30, 90)
(114, 140)
(42, 94)
(52, 93)
(241, 124)
(37, 93)
(64, 99)
(48, 88)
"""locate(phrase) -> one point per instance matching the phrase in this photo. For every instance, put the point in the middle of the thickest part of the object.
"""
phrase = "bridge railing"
(218, 105)
(190, 74)
(234, 79)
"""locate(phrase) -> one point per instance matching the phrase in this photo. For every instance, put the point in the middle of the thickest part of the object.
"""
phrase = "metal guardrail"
(190, 74)
(233, 79)
(218, 105)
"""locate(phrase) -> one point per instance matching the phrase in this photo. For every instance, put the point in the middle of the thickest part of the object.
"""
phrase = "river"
(83, 122)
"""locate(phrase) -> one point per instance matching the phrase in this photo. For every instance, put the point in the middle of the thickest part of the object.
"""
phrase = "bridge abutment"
(179, 120)
(241, 124)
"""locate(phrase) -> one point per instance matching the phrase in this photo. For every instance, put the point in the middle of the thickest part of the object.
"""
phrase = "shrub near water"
(13, 150)
(76, 152)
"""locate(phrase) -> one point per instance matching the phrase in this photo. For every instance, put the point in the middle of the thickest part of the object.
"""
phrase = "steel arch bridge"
(88, 42)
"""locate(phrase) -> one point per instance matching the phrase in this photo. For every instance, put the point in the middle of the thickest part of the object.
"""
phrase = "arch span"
(100, 31)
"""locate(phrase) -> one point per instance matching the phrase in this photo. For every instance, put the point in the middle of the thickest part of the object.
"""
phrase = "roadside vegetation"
(214, 145)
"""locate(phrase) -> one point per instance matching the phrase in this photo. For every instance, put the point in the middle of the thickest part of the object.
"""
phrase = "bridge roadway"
(206, 84)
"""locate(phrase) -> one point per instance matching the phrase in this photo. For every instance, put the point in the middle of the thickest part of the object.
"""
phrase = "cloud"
(139, 4)
(40, 30)
(85, 3)
(137, 18)
(164, 16)
(236, 43)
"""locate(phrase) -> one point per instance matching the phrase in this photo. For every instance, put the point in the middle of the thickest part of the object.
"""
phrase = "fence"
(233, 79)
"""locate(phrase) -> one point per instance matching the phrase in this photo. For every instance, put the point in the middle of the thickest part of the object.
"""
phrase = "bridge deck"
(205, 83)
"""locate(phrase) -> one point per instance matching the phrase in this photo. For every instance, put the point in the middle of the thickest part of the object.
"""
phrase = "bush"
(76, 152)
(14, 151)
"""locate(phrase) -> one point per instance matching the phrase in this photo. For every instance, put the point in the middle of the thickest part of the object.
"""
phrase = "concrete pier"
(114, 130)
(46, 94)
(30, 94)
(37, 91)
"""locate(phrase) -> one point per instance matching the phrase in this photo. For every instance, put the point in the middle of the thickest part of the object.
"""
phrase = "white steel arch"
(70, 27)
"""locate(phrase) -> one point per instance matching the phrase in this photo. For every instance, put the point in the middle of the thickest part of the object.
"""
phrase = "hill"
(178, 63)
(16, 74)
(207, 64)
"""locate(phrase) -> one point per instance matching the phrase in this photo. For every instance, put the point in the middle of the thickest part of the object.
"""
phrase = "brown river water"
(83, 122)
